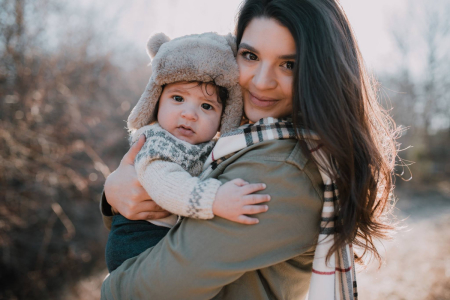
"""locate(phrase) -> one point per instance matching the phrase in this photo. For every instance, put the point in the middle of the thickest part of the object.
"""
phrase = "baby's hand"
(233, 201)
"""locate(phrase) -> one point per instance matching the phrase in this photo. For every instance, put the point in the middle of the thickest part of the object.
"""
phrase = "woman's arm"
(197, 258)
(124, 193)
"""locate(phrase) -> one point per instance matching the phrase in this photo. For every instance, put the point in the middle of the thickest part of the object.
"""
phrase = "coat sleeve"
(175, 190)
(197, 258)
(106, 211)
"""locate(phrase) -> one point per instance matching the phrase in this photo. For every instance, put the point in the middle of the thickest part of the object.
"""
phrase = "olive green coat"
(220, 259)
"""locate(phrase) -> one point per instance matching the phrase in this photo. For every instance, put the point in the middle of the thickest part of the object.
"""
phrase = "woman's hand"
(235, 200)
(126, 195)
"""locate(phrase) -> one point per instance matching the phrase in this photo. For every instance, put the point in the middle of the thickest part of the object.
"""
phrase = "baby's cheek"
(213, 126)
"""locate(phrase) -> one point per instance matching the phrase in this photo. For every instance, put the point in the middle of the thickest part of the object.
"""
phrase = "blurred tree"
(420, 90)
(61, 129)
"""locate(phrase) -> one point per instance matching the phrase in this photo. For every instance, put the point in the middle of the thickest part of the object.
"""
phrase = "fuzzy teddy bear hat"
(198, 57)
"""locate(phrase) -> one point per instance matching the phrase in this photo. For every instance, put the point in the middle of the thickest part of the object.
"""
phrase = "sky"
(370, 21)
(138, 19)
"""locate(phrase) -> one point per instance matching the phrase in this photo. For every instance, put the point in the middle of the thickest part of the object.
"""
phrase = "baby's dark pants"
(129, 238)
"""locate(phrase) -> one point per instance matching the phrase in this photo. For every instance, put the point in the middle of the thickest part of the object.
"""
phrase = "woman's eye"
(207, 106)
(249, 56)
(289, 65)
(178, 98)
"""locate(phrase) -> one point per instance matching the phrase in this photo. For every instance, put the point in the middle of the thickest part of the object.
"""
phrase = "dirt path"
(416, 262)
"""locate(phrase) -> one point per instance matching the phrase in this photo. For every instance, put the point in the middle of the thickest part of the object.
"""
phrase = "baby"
(193, 93)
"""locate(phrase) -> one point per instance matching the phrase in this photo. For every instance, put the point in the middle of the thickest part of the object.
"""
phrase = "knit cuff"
(205, 192)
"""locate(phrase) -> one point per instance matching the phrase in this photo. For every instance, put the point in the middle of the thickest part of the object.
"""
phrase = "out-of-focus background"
(70, 71)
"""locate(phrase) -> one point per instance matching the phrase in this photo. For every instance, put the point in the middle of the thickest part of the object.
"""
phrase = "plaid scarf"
(332, 280)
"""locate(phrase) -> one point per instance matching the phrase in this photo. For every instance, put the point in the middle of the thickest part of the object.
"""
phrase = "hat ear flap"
(231, 40)
(155, 42)
(145, 112)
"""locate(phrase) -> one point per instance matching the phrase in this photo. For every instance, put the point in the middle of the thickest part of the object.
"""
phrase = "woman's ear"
(155, 42)
(231, 39)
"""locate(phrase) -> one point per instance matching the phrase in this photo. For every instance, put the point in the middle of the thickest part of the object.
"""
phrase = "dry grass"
(417, 262)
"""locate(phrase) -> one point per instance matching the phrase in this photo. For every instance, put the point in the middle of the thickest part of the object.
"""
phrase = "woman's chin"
(255, 113)
(254, 116)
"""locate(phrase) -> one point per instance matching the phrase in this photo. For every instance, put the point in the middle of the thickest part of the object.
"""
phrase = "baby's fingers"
(254, 209)
(239, 182)
(256, 198)
(253, 187)
(247, 220)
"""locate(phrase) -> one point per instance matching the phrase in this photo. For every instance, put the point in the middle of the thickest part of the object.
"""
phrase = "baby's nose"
(189, 113)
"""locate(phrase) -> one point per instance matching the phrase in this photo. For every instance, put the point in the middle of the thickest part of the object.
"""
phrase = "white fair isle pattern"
(332, 280)
(167, 168)
(161, 145)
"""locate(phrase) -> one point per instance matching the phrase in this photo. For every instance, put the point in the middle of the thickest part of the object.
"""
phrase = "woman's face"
(266, 58)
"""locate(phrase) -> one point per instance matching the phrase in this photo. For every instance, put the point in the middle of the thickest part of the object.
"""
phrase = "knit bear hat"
(199, 57)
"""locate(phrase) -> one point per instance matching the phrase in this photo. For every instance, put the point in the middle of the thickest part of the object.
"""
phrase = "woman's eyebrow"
(288, 56)
(248, 47)
(252, 49)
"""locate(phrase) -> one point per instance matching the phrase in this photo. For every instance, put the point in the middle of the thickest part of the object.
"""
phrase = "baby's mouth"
(185, 130)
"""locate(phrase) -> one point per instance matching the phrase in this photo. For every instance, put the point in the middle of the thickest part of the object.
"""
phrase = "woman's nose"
(189, 113)
(264, 77)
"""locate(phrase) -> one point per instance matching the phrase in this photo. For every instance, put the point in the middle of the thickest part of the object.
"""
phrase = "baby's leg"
(129, 238)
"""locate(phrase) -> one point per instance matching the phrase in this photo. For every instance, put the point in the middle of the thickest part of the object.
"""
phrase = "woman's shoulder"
(280, 157)
(288, 150)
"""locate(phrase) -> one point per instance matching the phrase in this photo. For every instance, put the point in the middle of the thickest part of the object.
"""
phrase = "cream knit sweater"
(166, 168)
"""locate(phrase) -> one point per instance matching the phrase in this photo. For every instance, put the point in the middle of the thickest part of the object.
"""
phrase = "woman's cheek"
(244, 73)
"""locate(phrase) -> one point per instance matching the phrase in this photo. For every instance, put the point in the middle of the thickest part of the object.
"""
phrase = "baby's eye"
(207, 106)
(289, 65)
(249, 56)
(178, 98)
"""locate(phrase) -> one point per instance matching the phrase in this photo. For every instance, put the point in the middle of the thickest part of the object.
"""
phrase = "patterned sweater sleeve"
(166, 168)
(175, 190)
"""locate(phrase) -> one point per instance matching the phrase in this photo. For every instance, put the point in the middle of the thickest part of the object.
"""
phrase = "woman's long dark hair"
(334, 96)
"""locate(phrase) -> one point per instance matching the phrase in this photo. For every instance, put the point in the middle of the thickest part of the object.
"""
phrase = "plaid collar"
(245, 136)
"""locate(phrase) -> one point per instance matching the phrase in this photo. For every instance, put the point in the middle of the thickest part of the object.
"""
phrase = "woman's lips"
(261, 102)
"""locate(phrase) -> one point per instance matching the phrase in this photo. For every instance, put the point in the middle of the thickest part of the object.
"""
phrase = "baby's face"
(189, 111)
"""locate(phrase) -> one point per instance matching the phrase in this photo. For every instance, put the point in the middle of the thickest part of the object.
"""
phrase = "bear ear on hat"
(231, 40)
(155, 42)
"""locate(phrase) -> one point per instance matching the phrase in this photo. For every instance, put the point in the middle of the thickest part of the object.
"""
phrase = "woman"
(297, 59)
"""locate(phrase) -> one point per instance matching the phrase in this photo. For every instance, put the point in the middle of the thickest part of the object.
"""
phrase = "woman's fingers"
(150, 205)
(148, 215)
(144, 210)
(256, 198)
(134, 150)
(247, 220)
(254, 209)
(139, 194)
